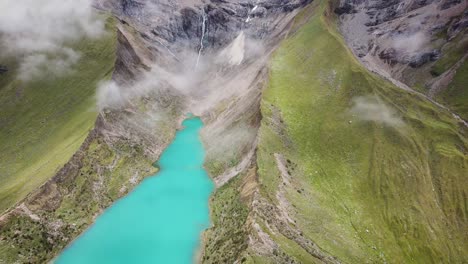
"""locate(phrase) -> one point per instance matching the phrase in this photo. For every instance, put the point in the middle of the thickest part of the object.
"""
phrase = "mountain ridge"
(317, 158)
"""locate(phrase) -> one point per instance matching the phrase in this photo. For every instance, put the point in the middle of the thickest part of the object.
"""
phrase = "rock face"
(215, 51)
(178, 24)
(401, 35)
(420, 59)
(3, 69)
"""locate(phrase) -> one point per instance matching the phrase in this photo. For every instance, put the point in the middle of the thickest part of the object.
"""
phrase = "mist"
(225, 146)
(410, 43)
(371, 108)
(203, 88)
(40, 33)
(36, 65)
(111, 95)
(204, 84)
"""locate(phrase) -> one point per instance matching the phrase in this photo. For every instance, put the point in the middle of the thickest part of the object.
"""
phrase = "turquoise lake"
(161, 220)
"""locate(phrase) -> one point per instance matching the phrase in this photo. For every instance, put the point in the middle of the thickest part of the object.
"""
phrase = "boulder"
(423, 58)
(3, 69)
(345, 9)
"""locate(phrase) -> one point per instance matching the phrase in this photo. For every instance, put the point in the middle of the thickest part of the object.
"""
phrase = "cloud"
(203, 84)
(234, 53)
(371, 108)
(37, 65)
(111, 95)
(114, 96)
(410, 43)
(36, 30)
(227, 144)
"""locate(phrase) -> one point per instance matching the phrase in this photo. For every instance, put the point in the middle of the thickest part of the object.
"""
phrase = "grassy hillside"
(104, 175)
(389, 187)
(227, 239)
(103, 170)
(44, 121)
(456, 94)
(452, 53)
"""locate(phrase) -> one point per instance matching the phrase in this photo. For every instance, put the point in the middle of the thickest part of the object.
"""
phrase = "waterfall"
(251, 11)
(204, 19)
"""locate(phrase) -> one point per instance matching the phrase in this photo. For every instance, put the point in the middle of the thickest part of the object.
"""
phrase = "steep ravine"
(120, 150)
(302, 174)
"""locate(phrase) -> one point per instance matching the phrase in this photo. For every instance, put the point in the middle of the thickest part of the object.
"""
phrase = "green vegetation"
(104, 176)
(456, 94)
(102, 170)
(451, 54)
(44, 121)
(374, 191)
(216, 165)
(227, 239)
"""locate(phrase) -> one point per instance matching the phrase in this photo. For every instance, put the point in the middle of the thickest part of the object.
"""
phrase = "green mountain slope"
(106, 167)
(456, 94)
(391, 187)
(44, 121)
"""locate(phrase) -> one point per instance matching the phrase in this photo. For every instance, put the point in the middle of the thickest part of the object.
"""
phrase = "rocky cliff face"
(181, 25)
(408, 39)
(3, 69)
(215, 53)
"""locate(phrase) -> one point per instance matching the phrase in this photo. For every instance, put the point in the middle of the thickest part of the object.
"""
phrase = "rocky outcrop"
(397, 33)
(420, 59)
(3, 69)
(449, 3)
(178, 24)
(413, 42)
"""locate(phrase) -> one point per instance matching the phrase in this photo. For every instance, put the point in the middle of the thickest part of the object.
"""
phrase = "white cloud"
(37, 64)
(234, 53)
(114, 96)
(38, 29)
(410, 43)
(204, 85)
(229, 142)
(371, 108)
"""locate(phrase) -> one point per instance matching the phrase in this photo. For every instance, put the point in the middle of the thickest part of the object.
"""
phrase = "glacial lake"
(162, 219)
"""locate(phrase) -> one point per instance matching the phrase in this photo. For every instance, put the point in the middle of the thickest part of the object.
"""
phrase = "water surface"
(162, 219)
